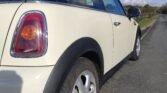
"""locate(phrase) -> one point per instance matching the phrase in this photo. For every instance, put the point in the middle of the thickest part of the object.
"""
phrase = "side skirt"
(111, 72)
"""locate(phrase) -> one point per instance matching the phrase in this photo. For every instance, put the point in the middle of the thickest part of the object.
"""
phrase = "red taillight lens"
(30, 39)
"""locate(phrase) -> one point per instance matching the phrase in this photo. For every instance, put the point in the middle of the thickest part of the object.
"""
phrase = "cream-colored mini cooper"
(63, 46)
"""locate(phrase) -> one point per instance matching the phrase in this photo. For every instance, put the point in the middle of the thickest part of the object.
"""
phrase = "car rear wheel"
(82, 78)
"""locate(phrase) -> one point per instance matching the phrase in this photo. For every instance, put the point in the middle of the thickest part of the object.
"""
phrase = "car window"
(96, 4)
(113, 6)
(83, 2)
(90, 3)
(9, 0)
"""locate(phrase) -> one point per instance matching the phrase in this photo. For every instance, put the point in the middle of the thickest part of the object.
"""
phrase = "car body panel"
(6, 15)
(23, 79)
(123, 37)
(65, 25)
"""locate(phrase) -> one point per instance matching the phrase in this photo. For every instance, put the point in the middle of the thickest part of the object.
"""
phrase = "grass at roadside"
(145, 22)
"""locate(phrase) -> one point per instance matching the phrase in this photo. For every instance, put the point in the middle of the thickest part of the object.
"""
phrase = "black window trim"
(122, 7)
(81, 6)
(8, 1)
(68, 4)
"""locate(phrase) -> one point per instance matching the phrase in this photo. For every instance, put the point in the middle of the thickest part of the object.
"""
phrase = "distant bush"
(163, 9)
(147, 11)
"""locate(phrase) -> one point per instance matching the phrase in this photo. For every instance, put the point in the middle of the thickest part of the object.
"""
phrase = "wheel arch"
(139, 31)
(84, 47)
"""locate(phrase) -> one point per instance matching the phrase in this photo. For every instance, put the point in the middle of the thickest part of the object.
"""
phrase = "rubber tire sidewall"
(81, 65)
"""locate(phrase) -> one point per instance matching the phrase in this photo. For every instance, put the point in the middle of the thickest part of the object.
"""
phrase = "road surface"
(149, 73)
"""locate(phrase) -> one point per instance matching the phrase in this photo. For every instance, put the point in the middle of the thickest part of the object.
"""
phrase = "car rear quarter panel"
(65, 25)
(6, 15)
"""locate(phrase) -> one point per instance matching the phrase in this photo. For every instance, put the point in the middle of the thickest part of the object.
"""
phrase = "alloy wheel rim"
(85, 83)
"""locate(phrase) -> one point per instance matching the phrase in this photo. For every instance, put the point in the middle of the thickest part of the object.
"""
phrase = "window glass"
(96, 4)
(89, 2)
(9, 0)
(113, 6)
(83, 2)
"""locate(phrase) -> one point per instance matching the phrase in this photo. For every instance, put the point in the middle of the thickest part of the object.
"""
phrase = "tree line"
(163, 9)
(146, 11)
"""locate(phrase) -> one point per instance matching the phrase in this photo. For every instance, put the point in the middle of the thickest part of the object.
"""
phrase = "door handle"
(117, 23)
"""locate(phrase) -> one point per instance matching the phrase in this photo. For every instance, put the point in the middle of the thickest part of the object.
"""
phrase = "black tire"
(82, 64)
(136, 54)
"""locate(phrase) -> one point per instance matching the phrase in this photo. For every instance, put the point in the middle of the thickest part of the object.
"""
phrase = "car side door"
(121, 28)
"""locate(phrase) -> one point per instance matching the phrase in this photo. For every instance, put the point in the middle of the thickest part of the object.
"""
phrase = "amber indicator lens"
(29, 32)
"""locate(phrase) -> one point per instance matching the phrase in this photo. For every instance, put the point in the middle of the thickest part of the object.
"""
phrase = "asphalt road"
(149, 73)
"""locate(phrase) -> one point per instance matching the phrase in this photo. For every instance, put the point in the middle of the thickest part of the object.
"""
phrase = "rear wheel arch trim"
(139, 31)
(69, 57)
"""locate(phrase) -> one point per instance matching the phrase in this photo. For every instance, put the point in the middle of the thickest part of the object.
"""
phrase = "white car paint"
(6, 15)
(23, 79)
(65, 24)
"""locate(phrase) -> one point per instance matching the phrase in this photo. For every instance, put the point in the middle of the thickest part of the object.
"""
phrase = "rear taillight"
(30, 38)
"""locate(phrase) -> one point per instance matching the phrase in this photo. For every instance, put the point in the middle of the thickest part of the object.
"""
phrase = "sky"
(144, 2)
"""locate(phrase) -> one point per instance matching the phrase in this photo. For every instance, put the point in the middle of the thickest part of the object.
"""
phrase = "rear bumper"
(23, 79)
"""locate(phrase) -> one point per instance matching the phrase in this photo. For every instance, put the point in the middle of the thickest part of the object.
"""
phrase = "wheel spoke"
(138, 47)
(85, 83)
(75, 90)
(88, 82)
(80, 86)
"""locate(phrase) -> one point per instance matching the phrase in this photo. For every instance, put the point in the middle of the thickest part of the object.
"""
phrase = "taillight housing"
(30, 37)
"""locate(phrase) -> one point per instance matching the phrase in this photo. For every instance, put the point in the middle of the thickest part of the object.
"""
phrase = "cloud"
(158, 2)
(144, 2)
(135, 2)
